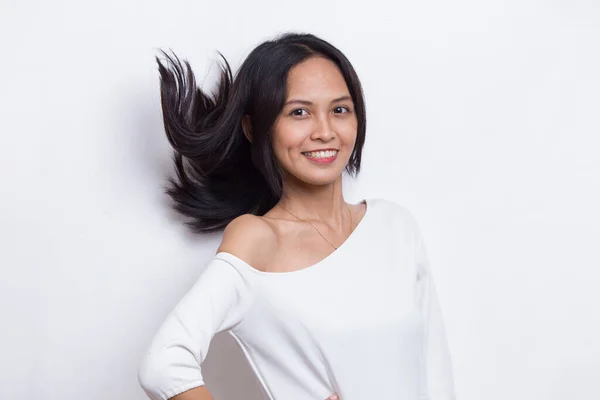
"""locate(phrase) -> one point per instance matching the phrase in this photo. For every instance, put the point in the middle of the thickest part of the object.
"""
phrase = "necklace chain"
(318, 231)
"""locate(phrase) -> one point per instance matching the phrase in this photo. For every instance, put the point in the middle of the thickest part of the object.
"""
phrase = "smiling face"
(315, 133)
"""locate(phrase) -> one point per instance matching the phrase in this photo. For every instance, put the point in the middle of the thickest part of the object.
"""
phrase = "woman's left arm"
(437, 381)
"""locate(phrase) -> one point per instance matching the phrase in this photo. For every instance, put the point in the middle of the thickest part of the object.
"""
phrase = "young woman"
(323, 296)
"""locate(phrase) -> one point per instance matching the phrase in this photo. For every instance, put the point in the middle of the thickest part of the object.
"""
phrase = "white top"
(364, 322)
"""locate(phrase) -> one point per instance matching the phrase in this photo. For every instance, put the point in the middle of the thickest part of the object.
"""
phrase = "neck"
(317, 203)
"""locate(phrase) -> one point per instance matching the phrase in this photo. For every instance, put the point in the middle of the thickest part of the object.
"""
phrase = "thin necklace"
(318, 231)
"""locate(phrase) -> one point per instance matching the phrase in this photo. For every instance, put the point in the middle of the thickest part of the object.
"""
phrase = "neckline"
(315, 266)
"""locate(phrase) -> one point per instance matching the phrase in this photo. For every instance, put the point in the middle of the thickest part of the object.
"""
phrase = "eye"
(347, 110)
(296, 114)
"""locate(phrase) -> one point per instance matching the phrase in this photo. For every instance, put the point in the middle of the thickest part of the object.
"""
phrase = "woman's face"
(314, 135)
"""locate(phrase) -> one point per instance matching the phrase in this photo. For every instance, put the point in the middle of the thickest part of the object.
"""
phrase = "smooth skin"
(319, 114)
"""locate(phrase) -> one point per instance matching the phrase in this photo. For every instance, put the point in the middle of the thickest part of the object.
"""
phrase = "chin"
(321, 179)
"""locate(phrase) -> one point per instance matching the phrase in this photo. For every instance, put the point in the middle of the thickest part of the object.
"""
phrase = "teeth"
(321, 154)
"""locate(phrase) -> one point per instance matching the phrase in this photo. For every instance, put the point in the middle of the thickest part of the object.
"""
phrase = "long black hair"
(220, 174)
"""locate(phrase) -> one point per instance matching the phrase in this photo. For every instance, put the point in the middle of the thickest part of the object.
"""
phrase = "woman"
(322, 296)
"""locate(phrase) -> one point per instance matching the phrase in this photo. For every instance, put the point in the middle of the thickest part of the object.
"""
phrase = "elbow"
(162, 377)
(151, 377)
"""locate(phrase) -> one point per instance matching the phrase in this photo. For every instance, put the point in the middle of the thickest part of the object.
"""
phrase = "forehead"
(316, 77)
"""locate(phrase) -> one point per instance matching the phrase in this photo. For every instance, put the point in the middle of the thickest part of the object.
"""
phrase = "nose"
(323, 129)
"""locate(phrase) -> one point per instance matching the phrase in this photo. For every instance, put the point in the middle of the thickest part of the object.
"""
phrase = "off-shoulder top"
(364, 322)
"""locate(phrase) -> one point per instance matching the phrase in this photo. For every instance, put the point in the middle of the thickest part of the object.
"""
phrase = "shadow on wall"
(227, 373)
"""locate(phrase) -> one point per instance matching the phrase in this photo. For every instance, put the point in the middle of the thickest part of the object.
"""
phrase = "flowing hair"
(220, 174)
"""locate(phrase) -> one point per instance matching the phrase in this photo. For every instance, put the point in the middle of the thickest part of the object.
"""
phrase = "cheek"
(347, 129)
(289, 136)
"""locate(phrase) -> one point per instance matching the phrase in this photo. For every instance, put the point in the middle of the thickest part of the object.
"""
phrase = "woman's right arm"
(171, 368)
(199, 393)
(202, 393)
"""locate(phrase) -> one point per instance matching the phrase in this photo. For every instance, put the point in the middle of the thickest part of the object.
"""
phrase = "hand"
(333, 397)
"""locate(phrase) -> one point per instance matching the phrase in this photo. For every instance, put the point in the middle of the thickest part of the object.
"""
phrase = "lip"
(325, 160)
(329, 148)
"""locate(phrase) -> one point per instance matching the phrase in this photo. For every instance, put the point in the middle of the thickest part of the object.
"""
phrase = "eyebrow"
(309, 103)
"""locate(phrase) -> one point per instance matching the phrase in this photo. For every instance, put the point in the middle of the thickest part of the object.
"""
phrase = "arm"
(199, 393)
(437, 382)
(171, 368)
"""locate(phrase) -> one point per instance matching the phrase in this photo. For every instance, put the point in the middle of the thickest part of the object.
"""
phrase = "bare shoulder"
(251, 238)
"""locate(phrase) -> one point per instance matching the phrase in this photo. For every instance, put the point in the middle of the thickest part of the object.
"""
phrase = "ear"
(247, 127)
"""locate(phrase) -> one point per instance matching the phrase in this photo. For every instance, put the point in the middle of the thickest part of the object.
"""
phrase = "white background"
(482, 120)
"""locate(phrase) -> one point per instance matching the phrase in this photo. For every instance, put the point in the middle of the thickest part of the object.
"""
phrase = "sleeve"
(215, 303)
(437, 381)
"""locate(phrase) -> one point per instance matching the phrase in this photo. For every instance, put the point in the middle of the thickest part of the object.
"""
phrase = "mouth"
(321, 157)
